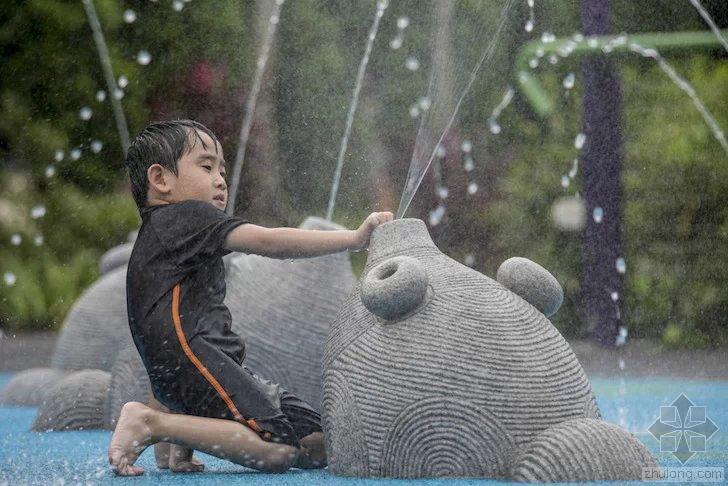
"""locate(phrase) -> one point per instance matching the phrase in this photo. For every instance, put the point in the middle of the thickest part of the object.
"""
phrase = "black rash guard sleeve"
(192, 232)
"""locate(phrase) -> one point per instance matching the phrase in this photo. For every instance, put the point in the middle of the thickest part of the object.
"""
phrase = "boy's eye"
(207, 167)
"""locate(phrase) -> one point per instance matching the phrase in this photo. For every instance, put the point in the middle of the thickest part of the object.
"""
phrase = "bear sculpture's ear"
(533, 283)
(394, 288)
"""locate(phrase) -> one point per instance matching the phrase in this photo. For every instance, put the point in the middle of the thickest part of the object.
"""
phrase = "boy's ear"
(158, 179)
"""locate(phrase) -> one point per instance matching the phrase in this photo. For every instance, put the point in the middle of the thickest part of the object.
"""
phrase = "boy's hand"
(362, 235)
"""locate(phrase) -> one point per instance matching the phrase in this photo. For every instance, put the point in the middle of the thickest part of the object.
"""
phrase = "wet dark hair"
(162, 143)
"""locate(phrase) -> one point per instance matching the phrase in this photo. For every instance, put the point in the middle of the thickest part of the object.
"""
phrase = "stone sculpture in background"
(433, 369)
(283, 310)
(77, 402)
(28, 387)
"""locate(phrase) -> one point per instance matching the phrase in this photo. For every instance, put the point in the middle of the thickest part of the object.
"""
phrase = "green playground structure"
(611, 45)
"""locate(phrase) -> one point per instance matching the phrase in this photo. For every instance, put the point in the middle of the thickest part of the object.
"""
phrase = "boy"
(181, 327)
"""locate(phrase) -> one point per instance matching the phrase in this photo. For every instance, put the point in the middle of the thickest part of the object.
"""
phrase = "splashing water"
(574, 168)
(469, 260)
(50, 171)
(598, 214)
(16, 239)
(96, 146)
(85, 113)
(250, 105)
(129, 16)
(101, 96)
(412, 63)
(687, 88)
(75, 154)
(9, 278)
(381, 7)
(620, 265)
(579, 141)
(420, 161)
(103, 51)
(143, 57)
(58, 155)
(38, 211)
(493, 125)
(708, 20)
(123, 82)
(569, 81)
(531, 16)
(402, 23)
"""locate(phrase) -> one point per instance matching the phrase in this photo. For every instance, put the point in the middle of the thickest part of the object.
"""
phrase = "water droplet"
(37, 211)
(469, 164)
(565, 181)
(280, 2)
(569, 81)
(178, 5)
(578, 37)
(579, 141)
(622, 364)
(96, 146)
(396, 43)
(540, 52)
(469, 260)
(414, 111)
(494, 127)
(533, 63)
(118, 93)
(75, 154)
(382, 4)
(424, 103)
(100, 95)
(574, 169)
(529, 26)
(442, 192)
(16, 239)
(85, 113)
(598, 214)
(50, 171)
(403, 22)
(621, 339)
(621, 265)
(614, 296)
(592, 42)
(129, 16)
(143, 57)
(466, 146)
(9, 278)
(38, 240)
(548, 37)
(553, 59)
(440, 151)
(274, 19)
(472, 188)
(436, 215)
(412, 63)
(123, 82)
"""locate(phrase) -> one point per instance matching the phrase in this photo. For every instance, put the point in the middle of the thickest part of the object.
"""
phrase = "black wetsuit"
(181, 326)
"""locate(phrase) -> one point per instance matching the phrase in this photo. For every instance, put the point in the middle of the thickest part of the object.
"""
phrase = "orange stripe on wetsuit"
(202, 369)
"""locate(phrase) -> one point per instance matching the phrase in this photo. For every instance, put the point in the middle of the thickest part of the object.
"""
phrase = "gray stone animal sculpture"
(115, 258)
(28, 387)
(129, 383)
(77, 402)
(433, 369)
(96, 328)
(283, 310)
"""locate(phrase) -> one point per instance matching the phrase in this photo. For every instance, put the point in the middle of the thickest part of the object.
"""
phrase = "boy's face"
(201, 175)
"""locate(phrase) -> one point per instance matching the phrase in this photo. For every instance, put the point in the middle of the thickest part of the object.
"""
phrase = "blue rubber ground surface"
(80, 457)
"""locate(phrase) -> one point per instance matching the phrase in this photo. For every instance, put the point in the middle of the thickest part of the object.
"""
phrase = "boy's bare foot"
(313, 452)
(131, 437)
(181, 460)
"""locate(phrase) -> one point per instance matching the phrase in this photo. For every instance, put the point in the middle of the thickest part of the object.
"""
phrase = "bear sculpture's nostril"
(394, 288)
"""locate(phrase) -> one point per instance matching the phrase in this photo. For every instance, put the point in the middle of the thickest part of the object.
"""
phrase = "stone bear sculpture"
(433, 369)
(283, 310)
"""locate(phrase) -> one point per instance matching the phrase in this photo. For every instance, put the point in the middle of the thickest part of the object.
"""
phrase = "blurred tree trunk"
(261, 191)
(603, 153)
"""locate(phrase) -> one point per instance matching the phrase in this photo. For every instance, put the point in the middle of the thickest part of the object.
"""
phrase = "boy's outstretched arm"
(298, 243)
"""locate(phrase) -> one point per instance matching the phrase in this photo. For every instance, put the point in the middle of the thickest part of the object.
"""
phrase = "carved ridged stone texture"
(473, 357)
(583, 450)
(28, 387)
(77, 402)
(96, 328)
(129, 383)
(115, 258)
(283, 310)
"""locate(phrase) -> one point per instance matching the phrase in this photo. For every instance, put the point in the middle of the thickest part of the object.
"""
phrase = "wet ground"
(629, 392)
